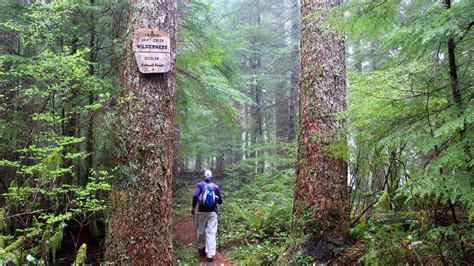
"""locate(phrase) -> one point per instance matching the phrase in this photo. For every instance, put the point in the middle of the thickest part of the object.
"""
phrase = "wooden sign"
(152, 50)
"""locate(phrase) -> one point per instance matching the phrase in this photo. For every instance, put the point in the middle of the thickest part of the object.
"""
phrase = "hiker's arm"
(197, 190)
(219, 197)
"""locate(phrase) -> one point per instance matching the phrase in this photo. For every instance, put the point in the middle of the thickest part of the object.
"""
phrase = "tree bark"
(140, 209)
(321, 196)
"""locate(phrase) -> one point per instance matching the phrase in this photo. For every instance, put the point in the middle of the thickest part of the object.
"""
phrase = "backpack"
(208, 196)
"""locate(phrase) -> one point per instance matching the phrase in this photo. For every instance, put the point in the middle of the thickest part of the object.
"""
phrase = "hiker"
(205, 221)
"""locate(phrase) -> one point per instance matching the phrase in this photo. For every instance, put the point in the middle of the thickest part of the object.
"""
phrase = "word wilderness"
(152, 51)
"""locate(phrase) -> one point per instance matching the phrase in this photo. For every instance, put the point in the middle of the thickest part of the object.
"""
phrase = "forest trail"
(183, 231)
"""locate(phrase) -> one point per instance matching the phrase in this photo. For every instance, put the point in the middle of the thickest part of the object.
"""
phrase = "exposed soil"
(183, 231)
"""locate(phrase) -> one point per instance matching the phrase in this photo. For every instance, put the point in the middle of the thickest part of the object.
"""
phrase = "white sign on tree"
(152, 50)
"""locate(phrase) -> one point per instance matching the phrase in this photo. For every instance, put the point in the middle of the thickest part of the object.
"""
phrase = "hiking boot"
(210, 259)
(202, 252)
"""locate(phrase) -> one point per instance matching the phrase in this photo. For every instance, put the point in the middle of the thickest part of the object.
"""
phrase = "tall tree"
(140, 204)
(92, 70)
(294, 78)
(255, 62)
(321, 195)
(281, 90)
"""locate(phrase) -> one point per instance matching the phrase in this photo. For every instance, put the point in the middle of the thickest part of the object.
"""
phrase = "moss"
(164, 166)
(126, 177)
(316, 138)
(316, 228)
(333, 218)
(81, 255)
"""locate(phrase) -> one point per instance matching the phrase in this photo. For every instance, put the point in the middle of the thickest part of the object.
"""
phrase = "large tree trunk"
(321, 195)
(140, 204)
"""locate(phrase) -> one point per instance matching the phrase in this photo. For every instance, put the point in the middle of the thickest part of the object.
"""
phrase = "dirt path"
(183, 231)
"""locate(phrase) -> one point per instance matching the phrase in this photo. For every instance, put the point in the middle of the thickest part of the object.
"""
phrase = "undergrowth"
(256, 217)
(183, 255)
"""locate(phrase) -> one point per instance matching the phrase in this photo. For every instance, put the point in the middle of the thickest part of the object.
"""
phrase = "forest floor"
(183, 231)
(183, 228)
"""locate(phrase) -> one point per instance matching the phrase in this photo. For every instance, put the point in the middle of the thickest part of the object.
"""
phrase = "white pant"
(206, 230)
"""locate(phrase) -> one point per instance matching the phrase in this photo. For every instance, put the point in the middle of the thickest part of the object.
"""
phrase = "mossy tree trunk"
(321, 197)
(140, 204)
